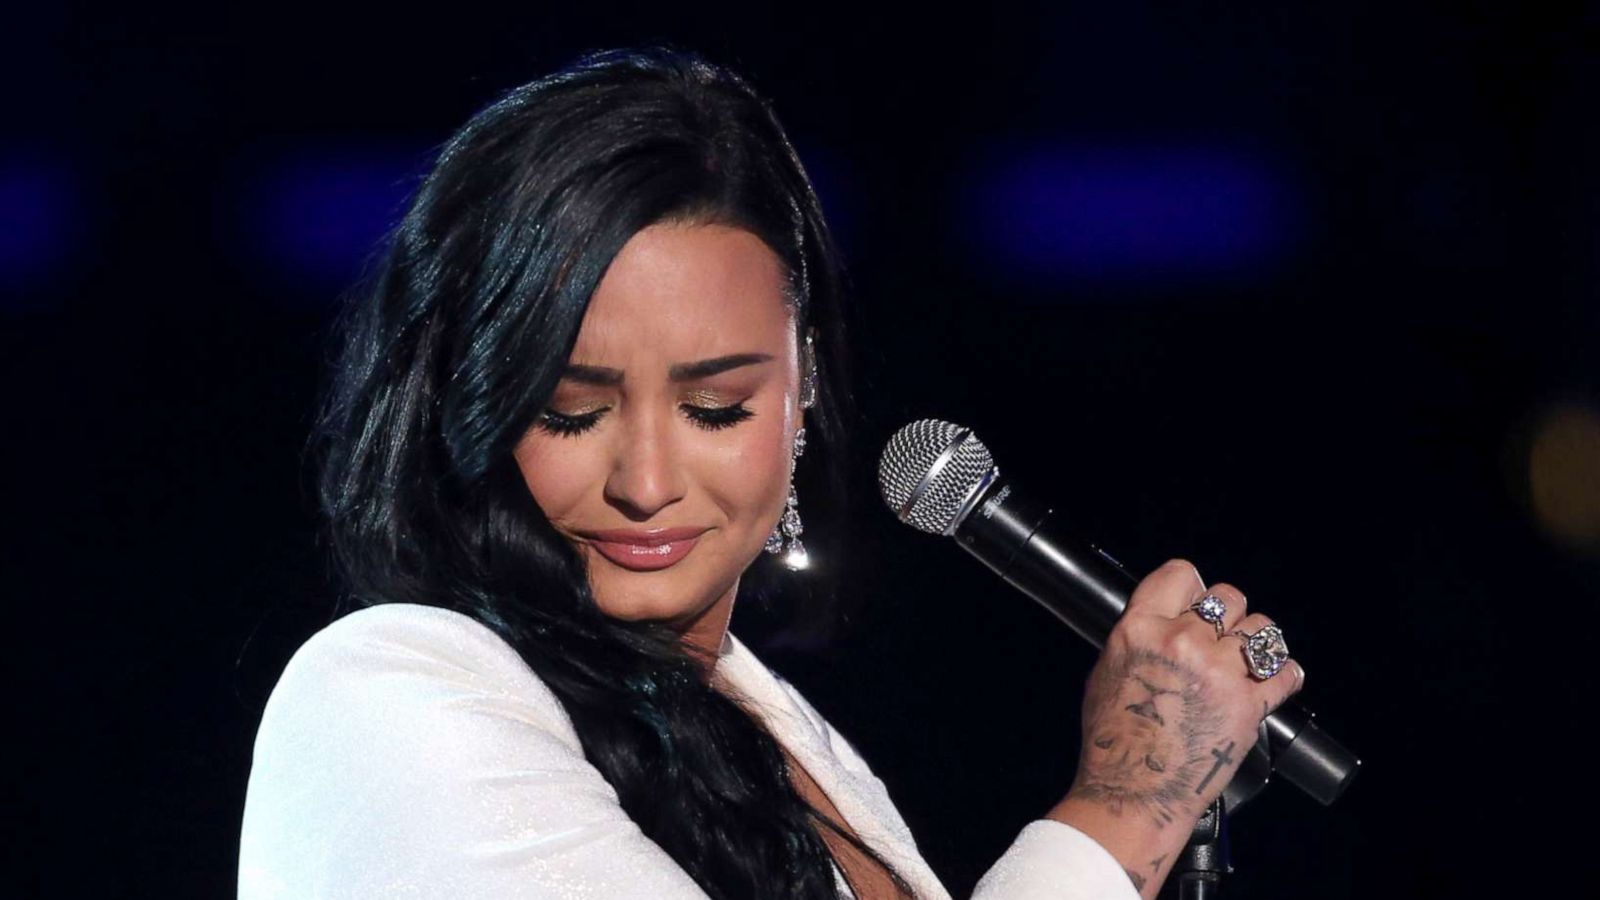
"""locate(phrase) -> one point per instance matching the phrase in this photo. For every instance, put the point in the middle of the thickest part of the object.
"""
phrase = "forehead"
(676, 290)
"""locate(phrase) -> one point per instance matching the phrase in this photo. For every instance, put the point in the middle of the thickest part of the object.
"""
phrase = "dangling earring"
(785, 537)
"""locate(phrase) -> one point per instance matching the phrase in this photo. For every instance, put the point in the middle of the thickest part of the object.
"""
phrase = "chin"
(640, 605)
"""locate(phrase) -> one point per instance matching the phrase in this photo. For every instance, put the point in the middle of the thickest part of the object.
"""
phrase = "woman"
(565, 423)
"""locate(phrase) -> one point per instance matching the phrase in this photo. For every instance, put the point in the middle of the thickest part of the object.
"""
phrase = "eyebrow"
(705, 368)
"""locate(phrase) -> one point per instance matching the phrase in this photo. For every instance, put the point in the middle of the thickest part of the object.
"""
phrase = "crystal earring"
(785, 537)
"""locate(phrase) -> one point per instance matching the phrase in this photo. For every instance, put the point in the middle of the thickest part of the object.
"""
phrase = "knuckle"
(1133, 628)
(1123, 635)
(1129, 633)
(1191, 643)
(1237, 595)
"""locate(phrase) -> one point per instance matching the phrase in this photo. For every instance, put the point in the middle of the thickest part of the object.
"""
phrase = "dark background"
(1306, 294)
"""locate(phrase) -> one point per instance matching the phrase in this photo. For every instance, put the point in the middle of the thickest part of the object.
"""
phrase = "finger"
(1279, 687)
(1249, 624)
(1236, 635)
(1290, 680)
(1169, 590)
(1238, 604)
(1233, 602)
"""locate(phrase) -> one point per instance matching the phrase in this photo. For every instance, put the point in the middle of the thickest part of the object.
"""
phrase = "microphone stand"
(1204, 860)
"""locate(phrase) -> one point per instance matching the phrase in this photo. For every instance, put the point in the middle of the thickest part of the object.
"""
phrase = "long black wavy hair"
(454, 344)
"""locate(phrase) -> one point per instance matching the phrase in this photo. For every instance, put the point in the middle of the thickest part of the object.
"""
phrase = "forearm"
(1146, 847)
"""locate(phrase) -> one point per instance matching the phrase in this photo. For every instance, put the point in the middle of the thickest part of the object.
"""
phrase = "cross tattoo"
(1223, 757)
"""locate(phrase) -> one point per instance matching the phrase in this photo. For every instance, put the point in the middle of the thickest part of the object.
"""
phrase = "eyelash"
(711, 418)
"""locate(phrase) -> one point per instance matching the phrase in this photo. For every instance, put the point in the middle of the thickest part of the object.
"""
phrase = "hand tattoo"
(1153, 735)
(1222, 758)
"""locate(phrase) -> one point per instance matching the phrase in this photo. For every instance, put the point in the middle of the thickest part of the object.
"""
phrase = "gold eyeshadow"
(706, 398)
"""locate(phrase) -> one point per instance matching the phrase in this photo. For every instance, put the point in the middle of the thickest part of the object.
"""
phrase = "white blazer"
(408, 751)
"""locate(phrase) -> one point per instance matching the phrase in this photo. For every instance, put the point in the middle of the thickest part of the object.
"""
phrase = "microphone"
(938, 477)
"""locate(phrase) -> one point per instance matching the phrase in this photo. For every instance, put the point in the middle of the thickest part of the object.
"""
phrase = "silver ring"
(1265, 652)
(1212, 609)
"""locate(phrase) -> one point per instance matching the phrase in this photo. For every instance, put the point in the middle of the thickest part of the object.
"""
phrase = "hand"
(1169, 713)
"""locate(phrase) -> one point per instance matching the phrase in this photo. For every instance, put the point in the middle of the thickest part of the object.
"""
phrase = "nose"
(646, 472)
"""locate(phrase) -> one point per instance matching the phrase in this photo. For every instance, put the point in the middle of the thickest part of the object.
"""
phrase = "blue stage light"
(1135, 215)
(39, 217)
(313, 217)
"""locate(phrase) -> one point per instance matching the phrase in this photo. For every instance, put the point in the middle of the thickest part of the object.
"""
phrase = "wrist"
(1146, 847)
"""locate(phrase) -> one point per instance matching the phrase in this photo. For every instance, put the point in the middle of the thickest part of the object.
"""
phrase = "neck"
(703, 635)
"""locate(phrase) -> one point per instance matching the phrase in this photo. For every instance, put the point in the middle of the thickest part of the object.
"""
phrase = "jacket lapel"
(859, 795)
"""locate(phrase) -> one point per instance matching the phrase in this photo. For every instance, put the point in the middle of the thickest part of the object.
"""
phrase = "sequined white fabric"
(407, 751)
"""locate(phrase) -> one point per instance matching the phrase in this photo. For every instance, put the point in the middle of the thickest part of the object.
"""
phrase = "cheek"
(753, 477)
(556, 478)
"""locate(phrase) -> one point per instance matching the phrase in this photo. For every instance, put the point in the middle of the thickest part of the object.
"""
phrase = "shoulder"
(383, 727)
(395, 666)
(395, 631)
(410, 747)
(402, 628)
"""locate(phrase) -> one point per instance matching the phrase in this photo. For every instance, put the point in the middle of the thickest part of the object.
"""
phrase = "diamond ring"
(1265, 651)
(1212, 609)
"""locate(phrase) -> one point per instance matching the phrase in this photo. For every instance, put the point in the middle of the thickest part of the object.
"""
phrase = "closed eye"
(710, 418)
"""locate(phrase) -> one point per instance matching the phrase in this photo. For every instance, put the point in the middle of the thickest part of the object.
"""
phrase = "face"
(675, 419)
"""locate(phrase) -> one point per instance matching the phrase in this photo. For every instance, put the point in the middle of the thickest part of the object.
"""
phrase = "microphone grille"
(930, 471)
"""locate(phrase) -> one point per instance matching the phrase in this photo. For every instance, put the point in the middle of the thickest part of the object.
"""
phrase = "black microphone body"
(1086, 588)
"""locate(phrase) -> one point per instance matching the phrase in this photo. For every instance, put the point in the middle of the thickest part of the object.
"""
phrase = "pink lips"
(645, 551)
